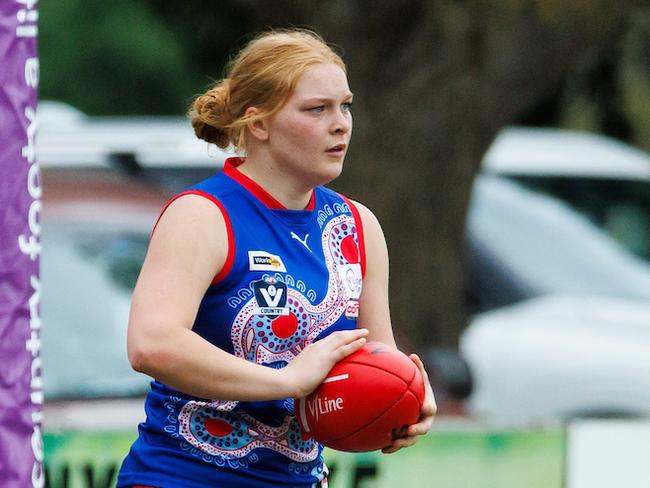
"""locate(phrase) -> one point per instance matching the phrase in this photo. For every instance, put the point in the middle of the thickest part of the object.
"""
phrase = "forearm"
(185, 361)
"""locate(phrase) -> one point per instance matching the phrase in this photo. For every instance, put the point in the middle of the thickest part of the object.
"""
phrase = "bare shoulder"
(368, 219)
(191, 236)
(192, 210)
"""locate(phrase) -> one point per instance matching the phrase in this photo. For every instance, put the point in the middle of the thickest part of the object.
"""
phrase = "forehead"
(325, 80)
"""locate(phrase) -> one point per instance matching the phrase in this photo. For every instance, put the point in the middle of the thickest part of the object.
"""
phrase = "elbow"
(146, 358)
(139, 358)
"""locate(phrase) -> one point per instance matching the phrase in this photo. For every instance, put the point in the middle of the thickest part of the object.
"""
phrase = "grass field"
(463, 458)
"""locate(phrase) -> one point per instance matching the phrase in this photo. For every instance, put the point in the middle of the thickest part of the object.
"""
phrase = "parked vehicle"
(562, 327)
(603, 179)
(524, 244)
(104, 181)
(95, 230)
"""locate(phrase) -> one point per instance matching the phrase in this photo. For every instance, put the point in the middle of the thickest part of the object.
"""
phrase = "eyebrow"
(326, 99)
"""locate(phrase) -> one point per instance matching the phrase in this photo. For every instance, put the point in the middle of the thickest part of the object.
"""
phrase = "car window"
(550, 247)
(618, 206)
(88, 272)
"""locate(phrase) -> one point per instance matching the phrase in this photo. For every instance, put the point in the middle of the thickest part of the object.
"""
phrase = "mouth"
(337, 150)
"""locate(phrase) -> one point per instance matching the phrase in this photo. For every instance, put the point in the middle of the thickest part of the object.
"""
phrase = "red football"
(364, 398)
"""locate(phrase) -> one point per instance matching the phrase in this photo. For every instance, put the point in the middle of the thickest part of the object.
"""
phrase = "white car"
(105, 180)
(571, 336)
(601, 178)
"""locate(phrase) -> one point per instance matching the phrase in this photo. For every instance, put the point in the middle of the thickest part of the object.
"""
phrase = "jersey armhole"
(362, 242)
(230, 258)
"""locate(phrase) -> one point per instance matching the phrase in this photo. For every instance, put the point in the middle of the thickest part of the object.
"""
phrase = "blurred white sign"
(608, 453)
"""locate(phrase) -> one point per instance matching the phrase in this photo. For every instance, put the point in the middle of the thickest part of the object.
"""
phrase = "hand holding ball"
(365, 398)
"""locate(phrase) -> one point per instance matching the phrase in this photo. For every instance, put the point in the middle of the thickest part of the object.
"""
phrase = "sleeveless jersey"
(291, 278)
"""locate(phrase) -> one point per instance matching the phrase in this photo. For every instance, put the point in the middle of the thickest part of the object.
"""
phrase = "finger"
(420, 428)
(390, 450)
(429, 408)
(401, 432)
(400, 443)
(416, 359)
(355, 333)
(341, 337)
(347, 349)
(418, 362)
(397, 433)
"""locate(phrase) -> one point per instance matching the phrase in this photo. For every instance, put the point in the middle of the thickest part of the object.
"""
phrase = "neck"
(284, 188)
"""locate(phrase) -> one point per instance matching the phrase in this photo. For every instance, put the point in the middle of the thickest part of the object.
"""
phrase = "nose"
(342, 122)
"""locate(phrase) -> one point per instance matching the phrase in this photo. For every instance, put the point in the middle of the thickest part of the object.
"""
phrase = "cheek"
(301, 130)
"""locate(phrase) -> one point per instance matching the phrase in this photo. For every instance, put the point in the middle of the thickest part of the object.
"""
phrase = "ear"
(258, 129)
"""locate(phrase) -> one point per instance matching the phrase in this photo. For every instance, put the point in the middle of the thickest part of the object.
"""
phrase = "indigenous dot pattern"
(255, 339)
(253, 335)
(242, 434)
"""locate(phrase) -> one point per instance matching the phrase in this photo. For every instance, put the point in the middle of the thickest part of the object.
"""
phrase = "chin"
(332, 171)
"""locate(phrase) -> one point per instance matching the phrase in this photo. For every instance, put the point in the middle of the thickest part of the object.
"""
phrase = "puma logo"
(301, 241)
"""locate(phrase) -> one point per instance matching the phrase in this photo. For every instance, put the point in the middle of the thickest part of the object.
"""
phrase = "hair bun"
(210, 115)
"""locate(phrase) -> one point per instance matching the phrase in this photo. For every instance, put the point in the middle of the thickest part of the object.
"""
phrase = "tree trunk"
(434, 81)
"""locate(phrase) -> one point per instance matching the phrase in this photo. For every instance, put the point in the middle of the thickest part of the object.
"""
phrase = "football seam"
(375, 419)
(408, 389)
(408, 383)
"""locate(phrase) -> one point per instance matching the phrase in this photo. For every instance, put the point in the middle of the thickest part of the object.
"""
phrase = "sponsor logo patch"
(350, 275)
(352, 309)
(321, 406)
(265, 261)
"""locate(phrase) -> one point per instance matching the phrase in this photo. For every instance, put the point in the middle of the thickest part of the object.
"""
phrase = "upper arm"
(187, 249)
(374, 312)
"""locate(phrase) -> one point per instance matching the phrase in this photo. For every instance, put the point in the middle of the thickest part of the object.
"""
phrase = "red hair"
(263, 75)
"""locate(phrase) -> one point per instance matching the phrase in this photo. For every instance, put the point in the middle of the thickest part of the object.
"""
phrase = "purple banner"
(21, 393)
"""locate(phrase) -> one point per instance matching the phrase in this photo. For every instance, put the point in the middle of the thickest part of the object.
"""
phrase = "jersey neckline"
(230, 169)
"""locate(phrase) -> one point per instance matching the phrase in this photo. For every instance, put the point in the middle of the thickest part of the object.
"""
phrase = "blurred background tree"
(133, 56)
(434, 80)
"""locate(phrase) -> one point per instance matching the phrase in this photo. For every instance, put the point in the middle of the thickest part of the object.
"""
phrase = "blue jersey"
(291, 277)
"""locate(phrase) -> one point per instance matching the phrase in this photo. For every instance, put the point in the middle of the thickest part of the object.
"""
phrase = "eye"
(318, 109)
(346, 107)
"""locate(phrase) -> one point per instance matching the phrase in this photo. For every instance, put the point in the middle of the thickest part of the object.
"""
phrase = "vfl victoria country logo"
(271, 297)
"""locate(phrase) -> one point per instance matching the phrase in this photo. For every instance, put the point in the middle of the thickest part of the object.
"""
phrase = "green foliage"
(635, 79)
(612, 94)
(122, 57)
